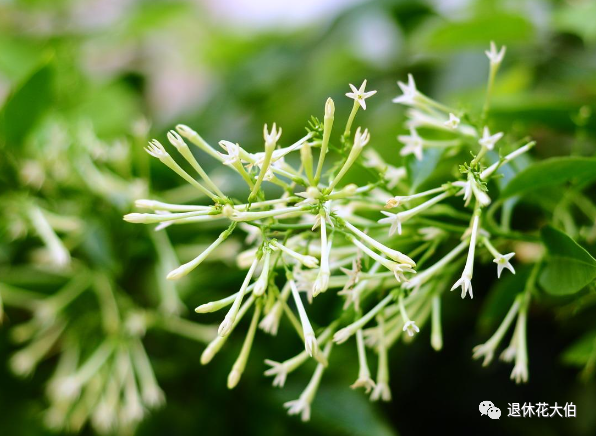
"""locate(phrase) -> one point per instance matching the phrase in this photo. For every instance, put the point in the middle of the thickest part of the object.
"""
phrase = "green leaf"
(26, 105)
(581, 351)
(549, 172)
(441, 35)
(569, 267)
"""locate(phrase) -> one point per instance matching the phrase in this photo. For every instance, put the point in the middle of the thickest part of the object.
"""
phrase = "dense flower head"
(325, 230)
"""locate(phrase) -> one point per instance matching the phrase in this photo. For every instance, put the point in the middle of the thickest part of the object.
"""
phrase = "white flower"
(489, 140)
(412, 144)
(381, 392)
(233, 151)
(411, 328)
(271, 137)
(394, 175)
(509, 353)
(279, 370)
(453, 121)
(409, 92)
(359, 95)
(364, 382)
(486, 350)
(466, 286)
(495, 56)
(310, 195)
(520, 372)
(361, 138)
(156, 150)
(394, 220)
(300, 406)
(270, 322)
(321, 283)
(502, 262)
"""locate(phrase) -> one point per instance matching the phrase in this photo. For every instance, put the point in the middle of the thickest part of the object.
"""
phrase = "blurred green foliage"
(68, 68)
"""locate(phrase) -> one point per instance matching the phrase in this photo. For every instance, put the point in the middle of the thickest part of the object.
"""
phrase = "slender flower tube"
(157, 150)
(310, 340)
(465, 280)
(307, 261)
(197, 140)
(487, 350)
(436, 336)
(240, 363)
(302, 405)
(183, 270)
(381, 391)
(344, 334)
(397, 219)
(228, 322)
(322, 282)
(177, 141)
(409, 326)
(327, 127)
(398, 269)
(399, 199)
(520, 370)
(428, 273)
(389, 252)
(215, 345)
(59, 254)
(364, 379)
(270, 322)
(360, 140)
(271, 139)
(484, 175)
(263, 282)
(280, 370)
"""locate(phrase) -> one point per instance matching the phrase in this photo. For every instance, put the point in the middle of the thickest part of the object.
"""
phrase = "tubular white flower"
(157, 150)
(183, 270)
(436, 336)
(389, 252)
(453, 121)
(360, 141)
(488, 141)
(495, 57)
(412, 144)
(263, 281)
(327, 127)
(270, 322)
(215, 345)
(197, 140)
(409, 326)
(502, 260)
(399, 199)
(303, 404)
(397, 219)
(310, 340)
(409, 92)
(307, 261)
(344, 334)
(359, 95)
(491, 169)
(381, 391)
(322, 282)
(398, 269)
(240, 363)
(364, 379)
(520, 370)
(465, 280)
(177, 141)
(488, 349)
(226, 325)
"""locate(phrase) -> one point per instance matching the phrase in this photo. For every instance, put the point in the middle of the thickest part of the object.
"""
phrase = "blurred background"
(84, 84)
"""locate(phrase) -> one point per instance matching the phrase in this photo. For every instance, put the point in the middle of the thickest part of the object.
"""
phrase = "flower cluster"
(308, 220)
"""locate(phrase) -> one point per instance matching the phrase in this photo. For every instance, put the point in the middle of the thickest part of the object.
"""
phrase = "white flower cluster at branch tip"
(324, 220)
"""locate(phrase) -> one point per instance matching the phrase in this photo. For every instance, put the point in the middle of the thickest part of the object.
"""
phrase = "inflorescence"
(320, 234)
